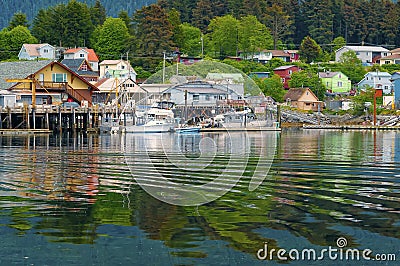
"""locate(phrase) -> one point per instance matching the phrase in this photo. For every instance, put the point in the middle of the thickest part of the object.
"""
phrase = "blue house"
(377, 80)
(396, 88)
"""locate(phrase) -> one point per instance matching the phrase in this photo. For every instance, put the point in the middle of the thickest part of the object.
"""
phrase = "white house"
(377, 80)
(367, 54)
(117, 68)
(83, 53)
(35, 51)
(199, 93)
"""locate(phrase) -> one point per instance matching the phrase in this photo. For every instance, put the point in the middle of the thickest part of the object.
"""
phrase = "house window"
(386, 87)
(196, 97)
(387, 62)
(84, 67)
(283, 80)
(59, 77)
(340, 84)
(290, 72)
(122, 67)
(81, 55)
(207, 97)
(45, 51)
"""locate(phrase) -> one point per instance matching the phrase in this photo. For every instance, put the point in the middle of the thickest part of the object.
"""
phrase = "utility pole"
(163, 69)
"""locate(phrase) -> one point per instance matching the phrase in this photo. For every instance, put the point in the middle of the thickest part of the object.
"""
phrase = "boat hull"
(149, 129)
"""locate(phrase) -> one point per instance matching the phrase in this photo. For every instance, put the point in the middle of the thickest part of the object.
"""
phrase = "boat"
(158, 119)
(192, 129)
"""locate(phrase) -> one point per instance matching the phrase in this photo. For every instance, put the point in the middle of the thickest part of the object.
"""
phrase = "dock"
(351, 127)
(239, 129)
(24, 131)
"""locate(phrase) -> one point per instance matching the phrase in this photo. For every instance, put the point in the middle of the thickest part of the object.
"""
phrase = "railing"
(76, 95)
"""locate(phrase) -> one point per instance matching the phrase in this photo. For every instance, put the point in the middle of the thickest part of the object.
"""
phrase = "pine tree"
(19, 19)
(98, 14)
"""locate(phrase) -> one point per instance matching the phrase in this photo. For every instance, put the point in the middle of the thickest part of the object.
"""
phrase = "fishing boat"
(158, 119)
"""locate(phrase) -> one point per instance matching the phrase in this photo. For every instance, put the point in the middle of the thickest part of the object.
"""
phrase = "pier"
(351, 127)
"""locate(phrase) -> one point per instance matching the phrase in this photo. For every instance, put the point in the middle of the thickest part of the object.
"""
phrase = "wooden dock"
(239, 129)
(24, 131)
(351, 127)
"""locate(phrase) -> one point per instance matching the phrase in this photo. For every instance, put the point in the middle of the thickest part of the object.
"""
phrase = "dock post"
(73, 121)
(278, 114)
(60, 119)
(9, 121)
(47, 120)
(33, 117)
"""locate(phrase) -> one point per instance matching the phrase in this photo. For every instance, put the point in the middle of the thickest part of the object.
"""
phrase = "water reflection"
(322, 185)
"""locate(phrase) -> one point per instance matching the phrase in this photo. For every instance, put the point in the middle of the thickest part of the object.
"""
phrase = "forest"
(213, 29)
(32, 7)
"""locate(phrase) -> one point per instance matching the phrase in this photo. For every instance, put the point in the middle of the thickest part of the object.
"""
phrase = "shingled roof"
(18, 70)
(294, 94)
(75, 64)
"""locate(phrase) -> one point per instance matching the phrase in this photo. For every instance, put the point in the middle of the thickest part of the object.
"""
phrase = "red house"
(285, 73)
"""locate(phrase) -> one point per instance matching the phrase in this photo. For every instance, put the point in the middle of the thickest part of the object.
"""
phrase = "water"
(77, 200)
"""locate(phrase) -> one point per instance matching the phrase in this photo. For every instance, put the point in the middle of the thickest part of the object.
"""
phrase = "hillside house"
(285, 73)
(367, 54)
(377, 80)
(117, 69)
(335, 82)
(36, 51)
(84, 53)
(303, 99)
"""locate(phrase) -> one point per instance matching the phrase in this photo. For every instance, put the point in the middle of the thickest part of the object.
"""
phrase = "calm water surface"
(73, 200)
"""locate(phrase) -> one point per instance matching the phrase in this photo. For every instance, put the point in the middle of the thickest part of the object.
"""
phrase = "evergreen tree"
(318, 19)
(19, 19)
(78, 25)
(123, 14)
(153, 31)
(279, 22)
(98, 14)
(309, 50)
(202, 14)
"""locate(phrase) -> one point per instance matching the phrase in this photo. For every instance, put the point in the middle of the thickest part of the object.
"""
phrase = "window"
(84, 67)
(290, 72)
(59, 77)
(283, 80)
(387, 62)
(340, 84)
(196, 97)
(207, 97)
(45, 51)
(81, 55)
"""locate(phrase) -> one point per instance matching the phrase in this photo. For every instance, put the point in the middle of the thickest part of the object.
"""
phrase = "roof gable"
(295, 94)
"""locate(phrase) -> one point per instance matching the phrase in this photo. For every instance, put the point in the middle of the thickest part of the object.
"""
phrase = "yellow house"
(54, 83)
(303, 99)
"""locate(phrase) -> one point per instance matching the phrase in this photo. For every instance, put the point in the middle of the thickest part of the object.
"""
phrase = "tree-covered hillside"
(31, 7)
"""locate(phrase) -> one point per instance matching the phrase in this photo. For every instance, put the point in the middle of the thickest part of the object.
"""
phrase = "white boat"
(154, 126)
(181, 130)
(158, 119)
